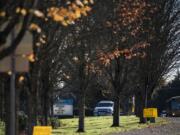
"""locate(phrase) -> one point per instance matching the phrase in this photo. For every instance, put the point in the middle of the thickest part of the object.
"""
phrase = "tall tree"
(126, 41)
(163, 53)
(21, 13)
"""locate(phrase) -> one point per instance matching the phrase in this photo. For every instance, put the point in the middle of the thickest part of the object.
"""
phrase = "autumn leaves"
(135, 51)
(129, 25)
(64, 15)
(69, 15)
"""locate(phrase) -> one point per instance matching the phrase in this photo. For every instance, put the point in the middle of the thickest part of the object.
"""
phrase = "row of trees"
(123, 48)
(166, 91)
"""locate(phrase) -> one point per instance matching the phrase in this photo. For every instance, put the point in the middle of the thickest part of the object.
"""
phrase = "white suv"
(104, 108)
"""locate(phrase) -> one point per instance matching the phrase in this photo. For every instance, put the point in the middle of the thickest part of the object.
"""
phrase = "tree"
(30, 16)
(127, 42)
(79, 60)
(175, 83)
(65, 13)
(162, 94)
(163, 53)
(78, 72)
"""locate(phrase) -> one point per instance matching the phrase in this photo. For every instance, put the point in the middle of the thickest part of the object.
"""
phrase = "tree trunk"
(17, 110)
(7, 109)
(139, 107)
(116, 113)
(45, 109)
(141, 118)
(2, 99)
(81, 113)
(51, 107)
(45, 99)
(31, 114)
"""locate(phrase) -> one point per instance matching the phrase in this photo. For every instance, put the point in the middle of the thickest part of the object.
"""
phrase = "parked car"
(104, 108)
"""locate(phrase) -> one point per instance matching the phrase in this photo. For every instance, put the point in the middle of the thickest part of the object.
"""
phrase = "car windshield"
(104, 105)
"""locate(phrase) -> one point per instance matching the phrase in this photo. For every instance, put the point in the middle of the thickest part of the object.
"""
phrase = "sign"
(42, 130)
(63, 107)
(150, 113)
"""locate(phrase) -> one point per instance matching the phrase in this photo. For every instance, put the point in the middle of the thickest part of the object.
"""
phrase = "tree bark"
(45, 109)
(51, 106)
(81, 113)
(116, 118)
(139, 107)
(31, 114)
(2, 99)
(141, 118)
(17, 110)
(7, 109)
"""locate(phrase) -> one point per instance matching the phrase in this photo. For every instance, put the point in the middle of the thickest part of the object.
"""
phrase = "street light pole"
(12, 92)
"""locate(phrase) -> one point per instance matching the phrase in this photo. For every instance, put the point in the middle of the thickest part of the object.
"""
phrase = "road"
(170, 129)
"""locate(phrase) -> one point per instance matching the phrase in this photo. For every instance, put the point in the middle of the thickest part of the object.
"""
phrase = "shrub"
(55, 123)
(22, 120)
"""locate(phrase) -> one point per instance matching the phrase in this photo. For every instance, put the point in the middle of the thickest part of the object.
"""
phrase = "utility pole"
(12, 91)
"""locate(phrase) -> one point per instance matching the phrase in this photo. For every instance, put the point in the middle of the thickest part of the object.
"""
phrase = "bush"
(55, 123)
(2, 128)
(22, 120)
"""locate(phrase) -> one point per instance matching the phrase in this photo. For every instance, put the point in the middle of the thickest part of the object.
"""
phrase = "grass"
(101, 125)
(2, 126)
(98, 125)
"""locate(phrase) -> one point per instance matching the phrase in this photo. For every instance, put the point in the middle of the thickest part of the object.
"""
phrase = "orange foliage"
(67, 16)
(35, 27)
(130, 16)
(2, 13)
(106, 58)
(29, 57)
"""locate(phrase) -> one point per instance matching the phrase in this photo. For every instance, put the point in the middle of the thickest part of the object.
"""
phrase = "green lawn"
(2, 128)
(97, 125)
(101, 125)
